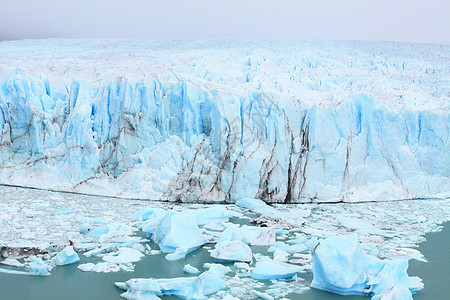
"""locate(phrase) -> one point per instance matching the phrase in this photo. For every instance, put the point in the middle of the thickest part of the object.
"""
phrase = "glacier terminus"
(284, 121)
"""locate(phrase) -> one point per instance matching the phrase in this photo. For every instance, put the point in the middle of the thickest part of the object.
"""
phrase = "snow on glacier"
(279, 120)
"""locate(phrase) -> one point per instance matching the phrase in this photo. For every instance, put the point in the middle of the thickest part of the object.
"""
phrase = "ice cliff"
(284, 121)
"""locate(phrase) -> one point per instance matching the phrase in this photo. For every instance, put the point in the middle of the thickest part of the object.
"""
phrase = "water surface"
(70, 283)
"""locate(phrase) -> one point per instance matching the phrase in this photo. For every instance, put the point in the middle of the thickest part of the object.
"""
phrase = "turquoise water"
(70, 283)
(435, 273)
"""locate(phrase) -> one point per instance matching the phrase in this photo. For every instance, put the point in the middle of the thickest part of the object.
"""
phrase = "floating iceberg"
(179, 253)
(123, 256)
(190, 269)
(146, 213)
(341, 266)
(232, 251)
(38, 267)
(199, 287)
(213, 214)
(175, 230)
(66, 257)
(105, 267)
(268, 269)
(251, 235)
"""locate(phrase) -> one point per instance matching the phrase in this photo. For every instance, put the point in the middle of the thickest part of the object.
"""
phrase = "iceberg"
(250, 235)
(282, 121)
(178, 254)
(232, 251)
(105, 267)
(190, 269)
(66, 257)
(268, 269)
(200, 287)
(38, 267)
(147, 212)
(341, 266)
(123, 256)
(211, 215)
(175, 230)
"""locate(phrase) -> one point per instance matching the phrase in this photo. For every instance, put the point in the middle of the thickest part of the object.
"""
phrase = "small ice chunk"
(38, 267)
(296, 248)
(124, 256)
(280, 255)
(178, 254)
(93, 231)
(66, 257)
(11, 262)
(217, 269)
(250, 235)
(215, 226)
(190, 269)
(105, 267)
(146, 213)
(262, 295)
(299, 239)
(241, 265)
(278, 246)
(268, 269)
(231, 251)
(100, 250)
(213, 214)
(200, 287)
(14, 272)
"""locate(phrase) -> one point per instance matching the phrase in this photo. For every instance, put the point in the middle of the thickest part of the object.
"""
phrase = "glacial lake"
(70, 283)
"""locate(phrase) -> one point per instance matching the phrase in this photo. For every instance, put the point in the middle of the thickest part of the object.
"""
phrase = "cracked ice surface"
(385, 230)
(284, 121)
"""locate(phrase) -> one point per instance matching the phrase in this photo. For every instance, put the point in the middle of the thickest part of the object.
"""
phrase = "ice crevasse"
(282, 121)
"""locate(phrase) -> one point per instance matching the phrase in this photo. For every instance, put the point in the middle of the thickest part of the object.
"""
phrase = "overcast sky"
(392, 20)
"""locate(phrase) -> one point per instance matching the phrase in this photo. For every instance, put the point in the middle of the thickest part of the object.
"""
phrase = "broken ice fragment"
(232, 251)
(146, 213)
(176, 230)
(66, 257)
(124, 256)
(38, 267)
(341, 266)
(268, 269)
(190, 269)
(199, 287)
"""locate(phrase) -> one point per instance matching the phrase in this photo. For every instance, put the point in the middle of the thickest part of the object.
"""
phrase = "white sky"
(392, 20)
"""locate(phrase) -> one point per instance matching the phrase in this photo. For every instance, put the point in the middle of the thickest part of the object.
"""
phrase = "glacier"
(284, 121)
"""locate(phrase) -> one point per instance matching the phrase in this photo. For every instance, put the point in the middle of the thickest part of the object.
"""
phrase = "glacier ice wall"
(283, 121)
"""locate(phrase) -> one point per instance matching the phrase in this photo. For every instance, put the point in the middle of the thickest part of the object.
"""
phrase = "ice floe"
(175, 230)
(200, 287)
(341, 266)
(232, 251)
(267, 269)
(66, 257)
(388, 230)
